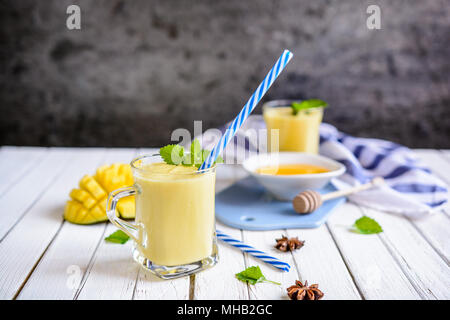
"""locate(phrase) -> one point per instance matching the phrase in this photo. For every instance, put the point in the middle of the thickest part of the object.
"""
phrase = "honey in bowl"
(291, 169)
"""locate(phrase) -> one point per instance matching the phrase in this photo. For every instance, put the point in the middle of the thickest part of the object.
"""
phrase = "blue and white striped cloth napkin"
(410, 189)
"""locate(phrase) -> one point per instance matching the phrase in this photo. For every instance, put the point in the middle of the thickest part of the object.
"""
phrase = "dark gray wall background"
(139, 69)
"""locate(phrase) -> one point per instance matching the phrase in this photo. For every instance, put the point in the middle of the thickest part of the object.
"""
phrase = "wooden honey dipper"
(310, 200)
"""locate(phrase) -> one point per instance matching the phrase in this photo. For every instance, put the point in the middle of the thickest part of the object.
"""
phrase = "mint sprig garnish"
(253, 275)
(172, 154)
(176, 155)
(366, 225)
(118, 237)
(307, 104)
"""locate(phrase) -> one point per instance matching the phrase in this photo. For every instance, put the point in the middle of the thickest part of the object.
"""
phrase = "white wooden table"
(44, 257)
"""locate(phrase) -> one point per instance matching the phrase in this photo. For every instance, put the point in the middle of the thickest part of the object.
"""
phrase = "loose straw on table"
(254, 252)
(247, 109)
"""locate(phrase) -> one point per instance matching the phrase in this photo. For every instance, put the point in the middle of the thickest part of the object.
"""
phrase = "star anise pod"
(304, 292)
(285, 244)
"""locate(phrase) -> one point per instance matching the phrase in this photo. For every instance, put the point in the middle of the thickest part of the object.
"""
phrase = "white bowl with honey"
(285, 174)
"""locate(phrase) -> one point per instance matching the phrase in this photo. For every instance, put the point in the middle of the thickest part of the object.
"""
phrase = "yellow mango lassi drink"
(297, 131)
(174, 230)
(175, 213)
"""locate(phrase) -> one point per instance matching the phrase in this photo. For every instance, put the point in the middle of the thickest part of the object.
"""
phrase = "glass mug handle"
(114, 197)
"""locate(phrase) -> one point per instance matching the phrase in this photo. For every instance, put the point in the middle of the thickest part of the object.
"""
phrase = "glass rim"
(145, 156)
(284, 103)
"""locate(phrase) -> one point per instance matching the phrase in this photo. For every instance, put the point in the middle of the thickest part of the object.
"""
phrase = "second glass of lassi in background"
(174, 230)
(296, 132)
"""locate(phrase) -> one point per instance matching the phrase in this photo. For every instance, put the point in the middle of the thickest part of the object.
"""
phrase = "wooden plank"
(113, 273)
(15, 162)
(376, 273)
(423, 246)
(435, 227)
(437, 161)
(28, 240)
(425, 269)
(147, 151)
(121, 155)
(60, 271)
(23, 194)
(446, 153)
(319, 261)
(264, 241)
(150, 287)
(69, 257)
(226, 286)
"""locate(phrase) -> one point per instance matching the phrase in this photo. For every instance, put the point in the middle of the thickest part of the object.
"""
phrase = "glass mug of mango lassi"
(174, 230)
(296, 131)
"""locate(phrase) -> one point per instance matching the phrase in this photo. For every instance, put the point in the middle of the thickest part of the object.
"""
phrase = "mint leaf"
(172, 154)
(366, 225)
(253, 275)
(196, 153)
(186, 161)
(307, 104)
(205, 154)
(118, 237)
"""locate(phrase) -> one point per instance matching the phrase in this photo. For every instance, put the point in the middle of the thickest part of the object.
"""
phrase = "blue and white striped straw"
(254, 252)
(247, 109)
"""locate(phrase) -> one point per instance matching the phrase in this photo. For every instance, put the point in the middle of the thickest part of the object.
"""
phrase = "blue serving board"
(247, 205)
